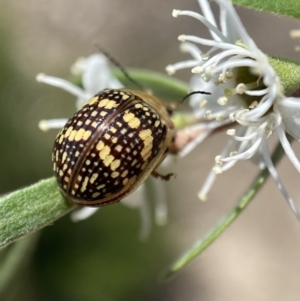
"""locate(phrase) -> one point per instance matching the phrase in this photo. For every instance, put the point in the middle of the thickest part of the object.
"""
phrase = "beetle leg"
(166, 177)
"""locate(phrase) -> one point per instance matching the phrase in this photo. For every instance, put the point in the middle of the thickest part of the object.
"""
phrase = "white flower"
(245, 89)
(96, 76)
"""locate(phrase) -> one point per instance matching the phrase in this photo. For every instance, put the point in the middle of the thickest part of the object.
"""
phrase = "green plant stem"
(226, 221)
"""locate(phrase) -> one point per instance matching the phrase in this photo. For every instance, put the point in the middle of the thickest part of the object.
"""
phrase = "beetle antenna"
(174, 106)
(118, 65)
(192, 93)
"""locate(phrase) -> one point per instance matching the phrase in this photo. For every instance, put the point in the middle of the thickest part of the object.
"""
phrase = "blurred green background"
(102, 258)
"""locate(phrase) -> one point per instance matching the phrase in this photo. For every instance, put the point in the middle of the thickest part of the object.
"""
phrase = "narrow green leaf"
(30, 209)
(289, 8)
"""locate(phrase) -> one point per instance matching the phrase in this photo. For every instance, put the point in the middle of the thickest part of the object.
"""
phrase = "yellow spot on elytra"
(95, 194)
(113, 130)
(146, 136)
(124, 173)
(93, 100)
(61, 139)
(103, 102)
(94, 114)
(103, 113)
(94, 124)
(125, 181)
(146, 151)
(68, 132)
(82, 134)
(115, 164)
(73, 192)
(107, 136)
(104, 152)
(67, 179)
(119, 124)
(64, 157)
(108, 160)
(79, 178)
(134, 123)
(118, 148)
(54, 166)
(84, 184)
(86, 135)
(128, 117)
(79, 135)
(93, 177)
(115, 174)
(72, 135)
(101, 186)
(114, 139)
(138, 106)
(79, 123)
(157, 123)
(125, 96)
(61, 173)
(77, 153)
(123, 131)
(65, 167)
(111, 104)
(100, 145)
(88, 121)
(76, 185)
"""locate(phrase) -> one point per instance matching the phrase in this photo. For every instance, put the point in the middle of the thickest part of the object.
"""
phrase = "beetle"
(111, 145)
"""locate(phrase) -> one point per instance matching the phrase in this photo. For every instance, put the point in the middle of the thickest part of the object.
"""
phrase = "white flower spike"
(244, 89)
(97, 76)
